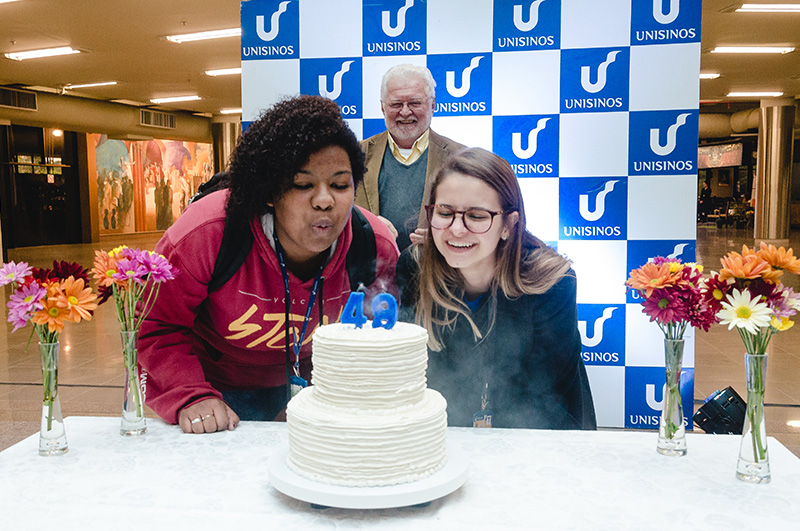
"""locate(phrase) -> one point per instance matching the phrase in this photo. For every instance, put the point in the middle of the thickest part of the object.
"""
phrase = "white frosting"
(366, 448)
(369, 419)
(369, 368)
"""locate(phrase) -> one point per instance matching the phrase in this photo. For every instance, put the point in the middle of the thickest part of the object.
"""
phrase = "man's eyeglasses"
(414, 105)
(476, 220)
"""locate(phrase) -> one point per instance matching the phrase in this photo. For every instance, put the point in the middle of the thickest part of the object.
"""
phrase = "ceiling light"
(708, 76)
(224, 72)
(793, 423)
(45, 52)
(58, 132)
(205, 35)
(89, 85)
(753, 49)
(130, 102)
(769, 8)
(230, 111)
(7, 1)
(754, 94)
(175, 99)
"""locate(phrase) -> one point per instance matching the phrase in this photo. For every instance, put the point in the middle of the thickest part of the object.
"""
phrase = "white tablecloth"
(518, 479)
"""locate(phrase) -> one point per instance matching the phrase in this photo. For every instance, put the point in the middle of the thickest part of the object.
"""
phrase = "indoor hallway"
(91, 372)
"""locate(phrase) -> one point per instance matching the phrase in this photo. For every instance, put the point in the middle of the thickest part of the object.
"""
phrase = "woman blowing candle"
(499, 305)
(214, 356)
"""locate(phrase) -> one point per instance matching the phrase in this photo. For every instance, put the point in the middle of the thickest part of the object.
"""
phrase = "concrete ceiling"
(125, 43)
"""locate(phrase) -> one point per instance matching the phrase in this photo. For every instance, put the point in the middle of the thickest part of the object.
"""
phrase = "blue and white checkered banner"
(593, 102)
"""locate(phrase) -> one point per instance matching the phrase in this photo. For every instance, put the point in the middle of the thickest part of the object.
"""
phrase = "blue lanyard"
(295, 343)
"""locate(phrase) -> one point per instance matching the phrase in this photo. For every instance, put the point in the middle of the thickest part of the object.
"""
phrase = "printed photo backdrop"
(593, 102)
(145, 185)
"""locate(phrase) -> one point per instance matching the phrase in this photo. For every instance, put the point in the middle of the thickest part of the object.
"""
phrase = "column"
(225, 131)
(774, 171)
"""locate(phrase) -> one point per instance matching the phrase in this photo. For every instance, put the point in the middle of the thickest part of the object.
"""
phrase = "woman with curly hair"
(213, 357)
(499, 305)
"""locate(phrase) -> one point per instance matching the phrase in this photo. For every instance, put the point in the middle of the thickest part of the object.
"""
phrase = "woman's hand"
(389, 224)
(207, 416)
(418, 236)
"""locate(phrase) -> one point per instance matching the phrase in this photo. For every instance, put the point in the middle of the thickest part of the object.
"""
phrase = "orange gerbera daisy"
(76, 299)
(779, 258)
(747, 267)
(651, 276)
(104, 266)
(51, 315)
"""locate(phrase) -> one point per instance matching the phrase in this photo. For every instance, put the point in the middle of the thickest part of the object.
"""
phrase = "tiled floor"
(90, 375)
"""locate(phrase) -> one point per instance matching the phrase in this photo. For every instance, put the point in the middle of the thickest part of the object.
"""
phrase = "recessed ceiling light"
(44, 52)
(754, 94)
(90, 85)
(230, 111)
(793, 423)
(753, 49)
(7, 1)
(224, 72)
(175, 99)
(708, 76)
(769, 8)
(205, 35)
(58, 132)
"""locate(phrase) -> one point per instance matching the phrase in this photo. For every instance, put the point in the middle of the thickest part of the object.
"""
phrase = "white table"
(518, 479)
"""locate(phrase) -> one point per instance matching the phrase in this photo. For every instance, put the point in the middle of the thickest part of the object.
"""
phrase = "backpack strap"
(361, 260)
(237, 241)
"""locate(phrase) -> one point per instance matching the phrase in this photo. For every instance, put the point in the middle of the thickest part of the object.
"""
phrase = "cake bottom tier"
(366, 448)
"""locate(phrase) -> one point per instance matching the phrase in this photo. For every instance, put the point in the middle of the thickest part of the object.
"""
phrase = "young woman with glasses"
(499, 305)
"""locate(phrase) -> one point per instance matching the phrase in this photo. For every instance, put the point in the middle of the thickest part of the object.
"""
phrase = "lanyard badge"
(483, 418)
(296, 382)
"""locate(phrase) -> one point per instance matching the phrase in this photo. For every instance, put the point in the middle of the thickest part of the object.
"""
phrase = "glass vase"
(671, 431)
(133, 421)
(753, 465)
(52, 437)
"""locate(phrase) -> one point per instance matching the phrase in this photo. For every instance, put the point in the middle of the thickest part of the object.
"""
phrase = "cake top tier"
(369, 368)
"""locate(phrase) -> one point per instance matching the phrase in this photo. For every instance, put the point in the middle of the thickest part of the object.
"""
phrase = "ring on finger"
(195, 421)
(207, 416)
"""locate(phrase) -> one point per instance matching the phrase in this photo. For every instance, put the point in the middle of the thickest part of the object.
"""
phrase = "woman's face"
(474, 255)
(311, 215)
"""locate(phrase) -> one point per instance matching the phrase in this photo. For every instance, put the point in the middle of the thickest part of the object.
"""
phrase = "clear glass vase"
(671, 431)
(52, 437)
(133, 421)
(753, 465)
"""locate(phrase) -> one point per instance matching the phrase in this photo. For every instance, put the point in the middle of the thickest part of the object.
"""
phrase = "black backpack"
(237, 241)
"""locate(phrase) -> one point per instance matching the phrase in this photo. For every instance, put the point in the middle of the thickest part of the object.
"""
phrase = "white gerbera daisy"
(743, 312)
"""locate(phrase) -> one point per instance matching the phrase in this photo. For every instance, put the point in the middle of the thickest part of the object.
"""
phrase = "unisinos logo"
(593, 208)
(665, 21)
(643, 251)
(528, 143)
(527, 25)
(602, 330)
(595, 80)
(663, 142)
(467, 82)
(644, 396)
(339, 79)
(394, 27)
(270, 30)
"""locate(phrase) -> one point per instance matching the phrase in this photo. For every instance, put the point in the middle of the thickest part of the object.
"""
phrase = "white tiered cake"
(369, 418)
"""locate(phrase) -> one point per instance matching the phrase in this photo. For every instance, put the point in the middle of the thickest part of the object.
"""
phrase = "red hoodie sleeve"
(173, 374)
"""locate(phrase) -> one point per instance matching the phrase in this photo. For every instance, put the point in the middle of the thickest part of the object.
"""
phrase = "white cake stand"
(433, 487)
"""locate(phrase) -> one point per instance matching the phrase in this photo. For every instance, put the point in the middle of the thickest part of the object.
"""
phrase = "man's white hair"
(405, 71)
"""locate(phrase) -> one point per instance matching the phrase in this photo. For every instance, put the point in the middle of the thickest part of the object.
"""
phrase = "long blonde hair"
(524, 265)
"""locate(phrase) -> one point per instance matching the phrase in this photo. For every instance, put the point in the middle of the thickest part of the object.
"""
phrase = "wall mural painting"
(145, 185)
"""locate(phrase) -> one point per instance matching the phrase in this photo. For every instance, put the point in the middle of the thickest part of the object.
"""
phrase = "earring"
(504, 237)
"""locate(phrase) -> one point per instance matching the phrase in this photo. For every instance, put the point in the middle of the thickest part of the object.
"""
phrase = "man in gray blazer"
(402, 160)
